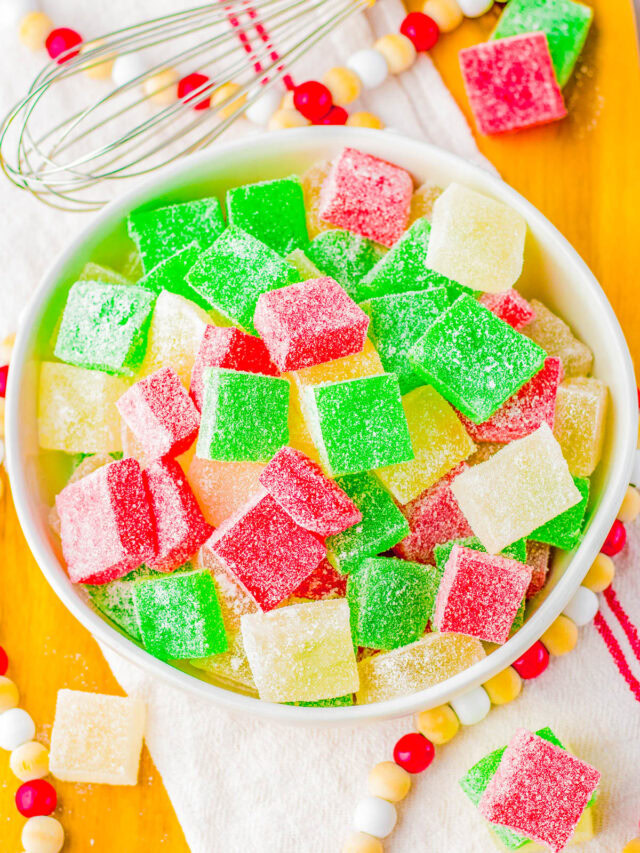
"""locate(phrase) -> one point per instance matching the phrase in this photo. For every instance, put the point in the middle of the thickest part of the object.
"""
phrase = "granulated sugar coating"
(310, 323)
(160, 413)
(510, 306)
(232, 349)
(233, 598)
(300, 262)
(303, 652)
(179, 615)
(480, 594)
(516, 551)
(474, 359)
(417, 666)
(170, 275)
(382, 525)
(179, 524)
(96, 738)
(233, 272)
(105, 523)
(115, 600)
(367, 195)
(162, 232)
(231, 668)
(556, 338)
(313, 501)
(272, 212)
(422, 201)
(539, 790)
(581, 412)
(533, 405)
(312, 181)
(511, 84)
(266, 550)
(222, 487)
(346, 257)
(565, 530)
(324, 582)
(538, 555)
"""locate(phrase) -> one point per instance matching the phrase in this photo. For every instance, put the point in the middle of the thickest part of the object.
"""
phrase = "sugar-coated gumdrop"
(272, 212)
(556, 338)
(510, 306)
(581, 411)
(222, 487)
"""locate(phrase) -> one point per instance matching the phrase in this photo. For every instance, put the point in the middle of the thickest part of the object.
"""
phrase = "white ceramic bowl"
(552, 271)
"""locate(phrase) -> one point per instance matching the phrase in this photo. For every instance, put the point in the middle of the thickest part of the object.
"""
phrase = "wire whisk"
(64, 146)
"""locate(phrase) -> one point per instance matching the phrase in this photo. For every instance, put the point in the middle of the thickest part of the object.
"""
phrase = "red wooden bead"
(36, 799)
(4, 661)
(533, 662)
(189, 84)
(638, 390)
(616, 538)
(413, 752)
(313, 100)
(336, 115)
(4, 373)
(421, 30)
(61, 40)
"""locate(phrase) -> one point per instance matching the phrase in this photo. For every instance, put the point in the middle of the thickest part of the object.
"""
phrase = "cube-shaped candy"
(310, 323)
(228, 669)
(170, 275)
(429, 661)
(539, 790)
(299, 433)
(179, 524)
(358, 424)
(96, 738)
(476, 240)
(523, 486)
(398, 321)
(511, 83)
(233, 272)
(538, 554)
(422, 201)
(565, 530)
(581, 414)
(300, 262)
(271, 211)
(391, 601)
(233, 598)
(565, 24)
(440, 442)
(162, 232)
(99, 272)
(311, 499)
(160, 413)
(115, 600)
(324, 582)
(303, 652)
(232, 349)
(382, 525)
(104, 326)
(485, 451)
(516, 551)
(244, 416)
(365, 363)
(480, 594)
(105, 523)
(433, 517)
(266, 550)
(556, 338)
(510, 306)
(531, 406)
(77, 409)
(367, 195)
(312, 181)
(474, 359)
(176, 332)
(222, 487)
(346, 257)
(179, 615)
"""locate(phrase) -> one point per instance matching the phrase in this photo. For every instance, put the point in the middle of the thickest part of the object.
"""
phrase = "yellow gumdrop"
(446, 13)
(601, 573)
(360, 842)
(439, 725)
(561, 636)
(389, 781)
(504, 687)
(343, 83)
(103, 67)
(632, 846)
(284, 119)
(364, 119)
(630, 507)
(398, 50)
(224, 95)
(162, 88)
(8, 694)
(34, 29)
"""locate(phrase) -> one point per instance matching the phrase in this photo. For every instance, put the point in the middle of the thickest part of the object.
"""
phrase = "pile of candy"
(380, 440)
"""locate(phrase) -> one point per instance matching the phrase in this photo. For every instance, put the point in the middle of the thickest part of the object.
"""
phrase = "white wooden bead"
(582, 607)
(261, 110)
(13, 11)
(474, 8)
(370, 66)
(472, 707)
(16, 728)
(126, 68)
(375, 816)
(635, 472)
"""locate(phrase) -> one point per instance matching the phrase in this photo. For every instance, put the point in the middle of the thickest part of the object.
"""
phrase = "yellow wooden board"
(583, 173)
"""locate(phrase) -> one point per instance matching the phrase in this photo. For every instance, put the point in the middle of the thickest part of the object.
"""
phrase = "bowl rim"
(464, 681)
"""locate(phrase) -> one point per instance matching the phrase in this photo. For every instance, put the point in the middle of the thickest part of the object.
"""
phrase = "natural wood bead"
(439, 724)
(630, 507)
(344, 85)
(360, 842)
(504, 687)
(398, 50)
(162, 88)
(283, 119)
(446, 13)
(561, 636)
(389, 782)
(601, 573)
(34, 29)
(364, 119)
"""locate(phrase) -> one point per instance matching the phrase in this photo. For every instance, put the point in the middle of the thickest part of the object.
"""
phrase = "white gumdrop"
(126, 68)
(16, 728)
(375, 816)
(370, 66)
(261, 110)
(582, 607)
(472, 707)
(474, 8)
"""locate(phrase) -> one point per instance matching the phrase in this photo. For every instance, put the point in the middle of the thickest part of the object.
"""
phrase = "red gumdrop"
(312, 100)
(336, 115)
(36, 799)
(61, 40)
(4, 373)
(533, 662)
(616, 538)
(421, 30)
(4, 661)
(189, 84)
(414, 752)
